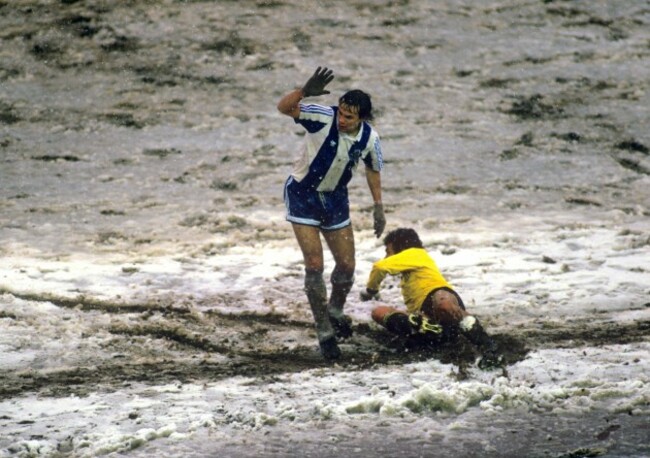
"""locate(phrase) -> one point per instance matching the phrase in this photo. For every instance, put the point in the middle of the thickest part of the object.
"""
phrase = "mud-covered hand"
(316, 84)
(369, 294)
(379, 220)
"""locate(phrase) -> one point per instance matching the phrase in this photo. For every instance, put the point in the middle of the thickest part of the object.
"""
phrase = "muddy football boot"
(329, 349)
(491, 359)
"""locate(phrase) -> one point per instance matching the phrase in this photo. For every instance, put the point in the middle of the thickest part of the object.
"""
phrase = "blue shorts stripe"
(345, 223)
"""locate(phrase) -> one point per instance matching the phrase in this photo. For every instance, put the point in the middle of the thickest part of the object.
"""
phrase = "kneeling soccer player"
(433, 308)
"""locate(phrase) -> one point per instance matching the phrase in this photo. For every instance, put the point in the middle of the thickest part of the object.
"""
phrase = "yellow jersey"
(420, 275)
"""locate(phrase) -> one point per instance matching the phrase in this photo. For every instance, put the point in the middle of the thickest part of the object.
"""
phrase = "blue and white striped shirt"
(318, 121)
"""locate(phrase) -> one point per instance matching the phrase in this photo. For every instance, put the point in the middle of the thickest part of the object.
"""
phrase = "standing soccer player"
(316, 196)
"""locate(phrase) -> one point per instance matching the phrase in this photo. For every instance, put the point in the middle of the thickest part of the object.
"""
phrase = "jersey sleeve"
(373, 158)
(391, 265)
(314, 117)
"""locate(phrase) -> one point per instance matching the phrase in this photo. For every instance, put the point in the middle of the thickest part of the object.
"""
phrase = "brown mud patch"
(216, 346)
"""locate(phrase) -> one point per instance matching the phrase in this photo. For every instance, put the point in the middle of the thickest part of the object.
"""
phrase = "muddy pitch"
(220, 346)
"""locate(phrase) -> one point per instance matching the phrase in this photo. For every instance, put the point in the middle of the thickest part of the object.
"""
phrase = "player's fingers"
(327, 74)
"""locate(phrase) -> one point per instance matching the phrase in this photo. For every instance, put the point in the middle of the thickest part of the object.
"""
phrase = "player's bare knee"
(379, 313)
(447, 313)
(314, 264)
(446, 307)
(445, 298)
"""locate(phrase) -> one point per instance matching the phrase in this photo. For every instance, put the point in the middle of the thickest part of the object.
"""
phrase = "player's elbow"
(286, 110)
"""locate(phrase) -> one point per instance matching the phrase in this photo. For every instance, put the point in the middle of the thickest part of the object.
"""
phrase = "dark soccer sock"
(474, 332)
(398, 323)
(341, 285)
(317, 296)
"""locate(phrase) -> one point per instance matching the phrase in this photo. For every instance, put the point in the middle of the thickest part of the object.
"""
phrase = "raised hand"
(316, 84)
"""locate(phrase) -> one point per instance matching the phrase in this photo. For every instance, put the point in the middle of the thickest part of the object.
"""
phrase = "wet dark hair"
(359, 99)
(403, 238)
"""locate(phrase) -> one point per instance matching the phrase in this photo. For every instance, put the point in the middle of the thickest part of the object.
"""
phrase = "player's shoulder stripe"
(317, 109)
